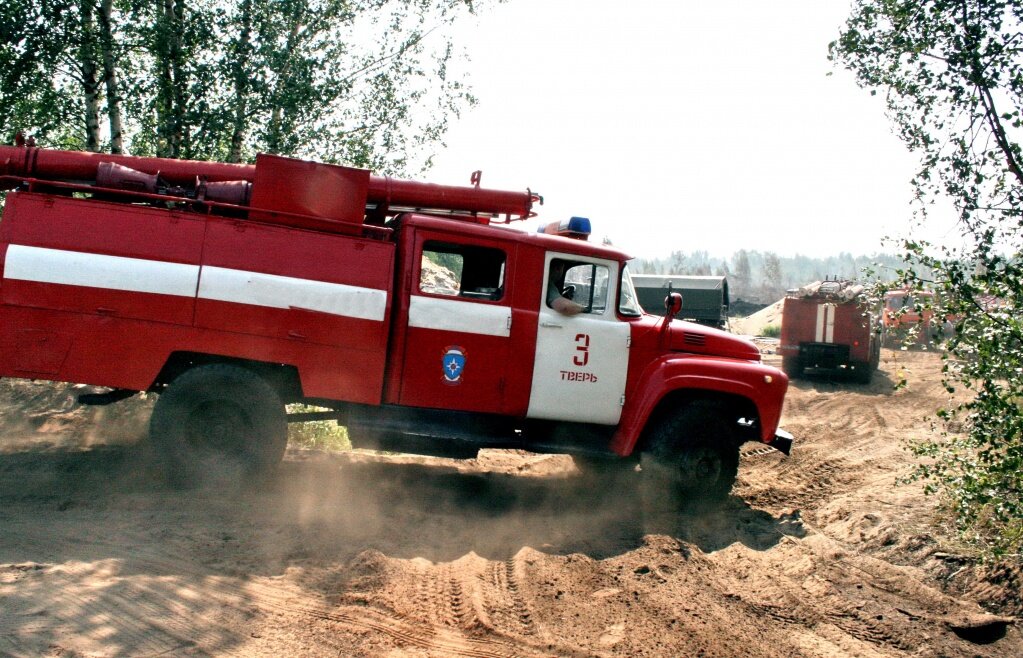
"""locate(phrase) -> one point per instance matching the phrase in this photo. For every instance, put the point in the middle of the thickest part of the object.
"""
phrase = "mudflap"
(782, 442)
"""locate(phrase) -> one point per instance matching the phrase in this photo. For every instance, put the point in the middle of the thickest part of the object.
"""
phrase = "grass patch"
(318, 434)
(771, 331)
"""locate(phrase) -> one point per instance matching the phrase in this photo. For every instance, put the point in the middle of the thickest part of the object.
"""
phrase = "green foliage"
(371, 83)
(772, 331)
(319, 434)
(951, 74)
(35, 53)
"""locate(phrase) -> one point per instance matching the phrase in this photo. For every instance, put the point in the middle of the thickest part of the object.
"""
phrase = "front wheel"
(218, 421)
(692, 457)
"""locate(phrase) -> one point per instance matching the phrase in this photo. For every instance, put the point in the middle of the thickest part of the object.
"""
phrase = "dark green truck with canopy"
(704, 298)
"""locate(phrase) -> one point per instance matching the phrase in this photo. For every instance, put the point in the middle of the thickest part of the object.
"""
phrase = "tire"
(217, 421)
(862, 372)
(792, 366)
(692, 458)
(889, 339)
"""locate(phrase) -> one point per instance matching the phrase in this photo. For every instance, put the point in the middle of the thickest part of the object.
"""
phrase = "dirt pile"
(754, 325)
(819, 554)
(438, 279)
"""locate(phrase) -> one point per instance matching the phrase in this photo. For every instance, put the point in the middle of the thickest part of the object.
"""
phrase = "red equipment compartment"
(130, 353)
(117, 263)
(308, 188)
(292, 284)
(100, 258)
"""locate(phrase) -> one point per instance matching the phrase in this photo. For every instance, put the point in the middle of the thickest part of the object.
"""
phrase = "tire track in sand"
(469, 596)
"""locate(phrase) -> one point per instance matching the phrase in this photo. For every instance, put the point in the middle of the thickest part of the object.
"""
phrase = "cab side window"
(585, 284)
(462, 271)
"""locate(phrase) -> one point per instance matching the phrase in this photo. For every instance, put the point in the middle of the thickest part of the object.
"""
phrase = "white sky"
(682, 125)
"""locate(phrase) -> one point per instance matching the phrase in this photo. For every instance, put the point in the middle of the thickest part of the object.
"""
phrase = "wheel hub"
(702, 464)
(218, 425)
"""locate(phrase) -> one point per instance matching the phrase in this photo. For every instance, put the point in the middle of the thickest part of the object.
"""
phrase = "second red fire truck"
(827, 325)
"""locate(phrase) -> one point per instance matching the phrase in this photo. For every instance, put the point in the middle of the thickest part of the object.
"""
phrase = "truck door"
(581, 360)
(458, 324)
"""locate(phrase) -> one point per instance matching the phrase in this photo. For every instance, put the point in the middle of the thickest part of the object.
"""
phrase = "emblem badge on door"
(453, 364)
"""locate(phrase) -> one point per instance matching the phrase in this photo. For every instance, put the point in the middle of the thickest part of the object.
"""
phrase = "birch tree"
(951, 74)
(367, 82)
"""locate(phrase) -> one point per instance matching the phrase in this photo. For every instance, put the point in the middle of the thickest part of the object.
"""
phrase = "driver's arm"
(566, 306)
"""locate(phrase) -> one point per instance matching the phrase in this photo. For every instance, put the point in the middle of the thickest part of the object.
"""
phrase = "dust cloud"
(510, 553)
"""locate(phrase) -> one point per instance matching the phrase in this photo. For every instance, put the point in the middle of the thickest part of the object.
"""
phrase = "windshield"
(628, 303)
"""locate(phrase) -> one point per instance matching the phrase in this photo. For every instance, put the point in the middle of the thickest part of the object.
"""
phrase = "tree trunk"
(164, 83)
(110, 77)
(180, 135)
(241, 82)
(90, 84)
(275, 138)
(170, 93)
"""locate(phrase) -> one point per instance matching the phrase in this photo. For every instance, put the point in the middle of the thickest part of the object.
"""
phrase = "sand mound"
(753, 325)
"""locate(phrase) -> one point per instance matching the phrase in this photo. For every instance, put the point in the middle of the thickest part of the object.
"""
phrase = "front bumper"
(782, 441)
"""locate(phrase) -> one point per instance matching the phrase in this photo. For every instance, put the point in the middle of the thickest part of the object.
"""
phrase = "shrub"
(319, 434)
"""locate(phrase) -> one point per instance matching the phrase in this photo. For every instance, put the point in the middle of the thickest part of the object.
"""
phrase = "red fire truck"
(231, 290)
(827, 325)
(908, 317)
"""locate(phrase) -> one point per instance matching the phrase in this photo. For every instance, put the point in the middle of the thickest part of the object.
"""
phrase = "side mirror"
(568, 292)
(672, 304)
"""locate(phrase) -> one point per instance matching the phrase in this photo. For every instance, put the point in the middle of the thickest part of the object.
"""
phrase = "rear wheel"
(862, 372)
(792, 366)
(692, 458)
(218, 421)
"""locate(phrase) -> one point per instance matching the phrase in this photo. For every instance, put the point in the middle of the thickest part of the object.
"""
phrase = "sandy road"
(820, 554)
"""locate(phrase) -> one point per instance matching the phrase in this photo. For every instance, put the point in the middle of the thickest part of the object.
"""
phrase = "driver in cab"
(559, 296)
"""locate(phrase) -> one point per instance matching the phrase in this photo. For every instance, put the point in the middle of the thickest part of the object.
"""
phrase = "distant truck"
(908, 315)
(828, 325)
(704, 298)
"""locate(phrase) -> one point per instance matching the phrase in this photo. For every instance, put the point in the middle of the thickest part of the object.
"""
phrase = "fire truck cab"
(402, 308)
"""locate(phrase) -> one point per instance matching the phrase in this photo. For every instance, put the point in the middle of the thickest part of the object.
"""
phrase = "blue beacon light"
(573, 227)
